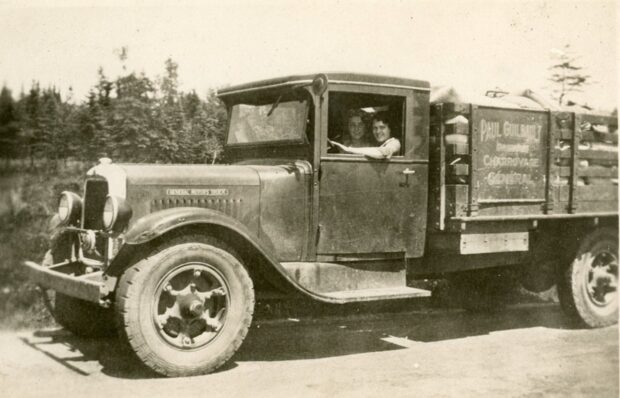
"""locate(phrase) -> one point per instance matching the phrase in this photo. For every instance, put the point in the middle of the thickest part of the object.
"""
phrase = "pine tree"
(170, 117)
(566, 76)
(8, 126)
(130, 118)
(31, 131)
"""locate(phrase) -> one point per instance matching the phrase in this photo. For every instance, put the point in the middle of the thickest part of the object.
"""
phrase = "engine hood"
(121, 176)
(270, 198)
(190, 175)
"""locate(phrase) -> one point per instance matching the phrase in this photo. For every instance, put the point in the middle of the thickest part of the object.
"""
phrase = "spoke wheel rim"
(190, 306)
(602, 278)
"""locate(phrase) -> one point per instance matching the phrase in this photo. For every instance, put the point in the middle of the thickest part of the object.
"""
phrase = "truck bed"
(492, 164)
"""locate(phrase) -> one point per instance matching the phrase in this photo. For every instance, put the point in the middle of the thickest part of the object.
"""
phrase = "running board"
(324, 278)
(386, 293)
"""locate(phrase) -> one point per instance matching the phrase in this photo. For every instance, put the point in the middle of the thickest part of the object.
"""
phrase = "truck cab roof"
(332, 77)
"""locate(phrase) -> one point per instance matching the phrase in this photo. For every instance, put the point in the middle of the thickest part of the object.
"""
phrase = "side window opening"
(351, 114)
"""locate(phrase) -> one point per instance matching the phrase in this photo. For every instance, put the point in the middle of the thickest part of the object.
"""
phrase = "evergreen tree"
(217, 120)
(129, 122)
(169, 84)
(130, 118)
(31, 131)
(91, 130)
(566, 76)
(53, 143)
(171, 120)
(8, 125)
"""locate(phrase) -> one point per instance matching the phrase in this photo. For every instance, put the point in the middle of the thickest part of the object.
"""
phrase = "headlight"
(69, 207)
(116, 214)
(110, 212)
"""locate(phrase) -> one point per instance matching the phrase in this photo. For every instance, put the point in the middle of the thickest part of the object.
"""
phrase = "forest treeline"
(131, 118)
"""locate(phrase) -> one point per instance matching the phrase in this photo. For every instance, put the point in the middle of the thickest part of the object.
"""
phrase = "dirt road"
(524, 351)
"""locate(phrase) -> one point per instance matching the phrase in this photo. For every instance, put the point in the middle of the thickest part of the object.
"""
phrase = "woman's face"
(381, 131)
(356, 127)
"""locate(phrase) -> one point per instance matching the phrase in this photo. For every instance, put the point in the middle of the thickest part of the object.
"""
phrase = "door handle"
(407, 173)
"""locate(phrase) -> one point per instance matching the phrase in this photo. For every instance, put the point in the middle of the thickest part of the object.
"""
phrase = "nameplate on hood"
(196, 192)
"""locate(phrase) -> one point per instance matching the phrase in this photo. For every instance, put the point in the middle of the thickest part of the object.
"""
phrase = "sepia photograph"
(278, 198)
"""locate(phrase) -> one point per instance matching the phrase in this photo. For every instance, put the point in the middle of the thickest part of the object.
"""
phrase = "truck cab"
(323, 219)
(178, 254)
(346, 193)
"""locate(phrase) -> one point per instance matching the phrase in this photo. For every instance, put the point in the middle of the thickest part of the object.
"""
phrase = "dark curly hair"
(356, 112)
(382, 117)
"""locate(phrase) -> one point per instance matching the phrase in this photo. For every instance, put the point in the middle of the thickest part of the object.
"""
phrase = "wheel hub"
(195, 308)
(190, 306)
(602, 277)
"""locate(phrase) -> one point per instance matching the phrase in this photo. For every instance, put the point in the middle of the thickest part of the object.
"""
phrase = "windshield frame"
(286, 95)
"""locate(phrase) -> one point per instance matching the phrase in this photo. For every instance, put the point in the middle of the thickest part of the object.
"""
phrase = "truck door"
(367, 207)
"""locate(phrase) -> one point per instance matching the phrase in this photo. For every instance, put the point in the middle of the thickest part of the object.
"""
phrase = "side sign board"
(509, 157)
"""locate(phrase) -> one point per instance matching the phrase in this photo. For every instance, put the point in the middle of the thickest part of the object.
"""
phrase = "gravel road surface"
(525, 351)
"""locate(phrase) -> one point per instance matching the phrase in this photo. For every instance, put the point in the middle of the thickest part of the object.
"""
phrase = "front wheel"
(82, 318)
(186, 308)
(587, 288)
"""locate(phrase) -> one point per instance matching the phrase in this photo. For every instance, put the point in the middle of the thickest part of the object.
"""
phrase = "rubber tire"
(539, 277)
(83, 318)
(135, 293)
(574, 299)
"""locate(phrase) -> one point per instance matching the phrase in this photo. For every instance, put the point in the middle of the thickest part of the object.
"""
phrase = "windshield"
(277, 121)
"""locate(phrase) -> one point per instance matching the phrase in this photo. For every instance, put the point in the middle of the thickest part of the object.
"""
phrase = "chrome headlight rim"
(111, 201)
(73, 207)
(120, 214)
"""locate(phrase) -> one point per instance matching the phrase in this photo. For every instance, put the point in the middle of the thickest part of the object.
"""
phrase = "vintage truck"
(173, 257)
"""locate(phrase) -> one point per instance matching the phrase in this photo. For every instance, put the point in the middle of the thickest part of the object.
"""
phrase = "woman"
(356, 137)
(388, 145)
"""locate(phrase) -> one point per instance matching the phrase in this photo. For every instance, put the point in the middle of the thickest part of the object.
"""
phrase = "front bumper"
(90, 287)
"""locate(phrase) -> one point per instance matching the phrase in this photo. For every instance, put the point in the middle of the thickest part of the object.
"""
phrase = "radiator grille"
(231, 207)
(95, 193)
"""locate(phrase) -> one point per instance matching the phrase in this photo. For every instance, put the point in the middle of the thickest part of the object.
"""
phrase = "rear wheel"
(587, 288)
(186, 308)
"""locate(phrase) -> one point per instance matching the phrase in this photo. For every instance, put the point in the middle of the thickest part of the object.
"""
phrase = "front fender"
(160, 222)
(156, 224)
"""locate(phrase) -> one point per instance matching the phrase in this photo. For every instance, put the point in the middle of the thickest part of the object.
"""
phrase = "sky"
(471, 45)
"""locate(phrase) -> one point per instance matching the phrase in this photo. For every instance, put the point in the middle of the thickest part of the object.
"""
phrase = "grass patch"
(27, 202)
